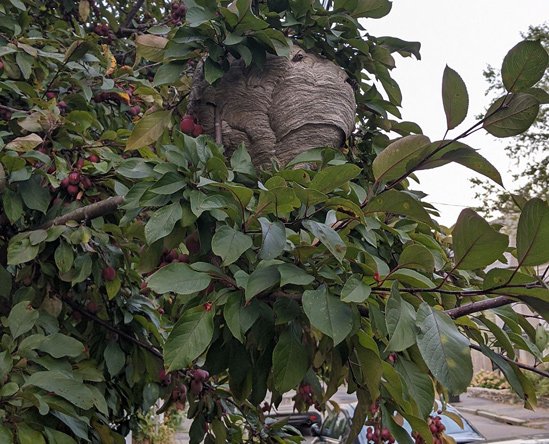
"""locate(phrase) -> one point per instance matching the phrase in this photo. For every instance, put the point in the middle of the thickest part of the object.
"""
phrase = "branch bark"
(476, 307)
(131, 14)
(88, 212)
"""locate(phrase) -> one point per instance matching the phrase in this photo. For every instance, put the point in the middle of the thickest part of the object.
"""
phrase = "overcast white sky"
(467, 35)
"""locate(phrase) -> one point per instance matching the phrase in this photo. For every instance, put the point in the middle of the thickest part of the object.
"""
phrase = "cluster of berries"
(103, 30)
(436, 427)
(190, 126)
(77, 182)
(378, 434)
(178, 13)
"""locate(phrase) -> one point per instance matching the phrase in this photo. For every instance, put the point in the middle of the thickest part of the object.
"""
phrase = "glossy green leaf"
(400, 157)
(22, 318)
(178, 278)
(444, 349)
(239, 316)
(229, 244)
(115, 358)
(400, 318)
(292, 274)
(260, 280)
(355, 290)
(189, 338)
(35, 195)
(417, 257)
(59, 345)
(511, 115)
(56, 437)
(149, 129)
(454, 98)
(290, 362)
(64, 386)
(398, 202)
(162, 222)
(329, 238)
(524, 65)
(418, 383)
(476, 243)
(533, 233)
(328, 313)
(27, 435)
(273, 238)
(332, 177)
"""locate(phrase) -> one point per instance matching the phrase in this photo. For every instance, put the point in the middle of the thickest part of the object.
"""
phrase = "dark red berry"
(93, 158)
(109, 273)
(74, 178)
(72, 190)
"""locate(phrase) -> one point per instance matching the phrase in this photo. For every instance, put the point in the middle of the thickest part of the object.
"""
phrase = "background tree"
(140, 262)
(528, 150)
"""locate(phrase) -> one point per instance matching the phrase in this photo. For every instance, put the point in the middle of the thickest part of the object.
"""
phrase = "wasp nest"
(287, 106)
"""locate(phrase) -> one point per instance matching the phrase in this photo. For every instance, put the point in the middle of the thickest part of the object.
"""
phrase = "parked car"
(337, 426)
(301, 421)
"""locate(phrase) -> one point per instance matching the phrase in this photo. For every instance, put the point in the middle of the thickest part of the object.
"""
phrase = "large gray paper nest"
(286, 107)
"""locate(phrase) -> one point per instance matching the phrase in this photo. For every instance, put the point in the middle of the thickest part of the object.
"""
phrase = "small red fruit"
(86, 182)
(74, 178)
(92, 307)
(200, 374)
(197, 130)
(50, 95)
(160, 311)
(79, 163)
(208, 306)
(134, 110)
(65, 182)
(73, 190)
(183, 258)
(196, 387)
(377, 277)
(187, 124)
(109, 274)
(93, 158)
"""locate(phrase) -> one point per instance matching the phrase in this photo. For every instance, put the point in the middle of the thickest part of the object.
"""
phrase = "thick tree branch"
(476, 307)
(131, 14)
(518, 364)
(88, 212)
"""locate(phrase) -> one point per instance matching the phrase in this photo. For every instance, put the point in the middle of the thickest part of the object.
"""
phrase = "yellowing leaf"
(149, 129)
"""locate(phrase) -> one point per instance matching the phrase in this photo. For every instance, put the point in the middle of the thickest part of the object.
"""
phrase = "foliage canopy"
(133, 257)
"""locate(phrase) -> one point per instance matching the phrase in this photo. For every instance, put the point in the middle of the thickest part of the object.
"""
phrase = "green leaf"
(241, 162)
(332, 177)
(476, 243)
(418, 383)
(169, 183)
(417, 257)
(511, 115)
(22, 318)
(229, 244)
(273, 238)
(398, 202)
(292, 274)
(189, 338)
(278, 200)
(59, 345)
(239, 317)
(64, 386)
(5, 434)
(401, 321)
(168, 73)
(328, 313)
(454, 98)
(55, 437)
(27, 435)
(35, 195)
(400, 157)
(524, 65)
(355, 290)
(150, 47)
(6, 279)
(178, 278)
(20, 251)
(533, 233)
(115, 358)
(290, 362)
(261, 279)
(329, 238)
(162, 222)
(64, 257)
(212, 71)
(444, 349)
(149, 129)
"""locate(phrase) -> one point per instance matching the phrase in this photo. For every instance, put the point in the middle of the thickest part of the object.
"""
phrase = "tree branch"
(518, 364)
(475, 307)
(131, 14)
(88, 212)
(91, 316)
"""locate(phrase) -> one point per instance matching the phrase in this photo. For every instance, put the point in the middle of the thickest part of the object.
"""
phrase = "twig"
(132, 13)
(110, 327)
(88, 212)
(14, 110)
(476, 307)
(518, 364)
